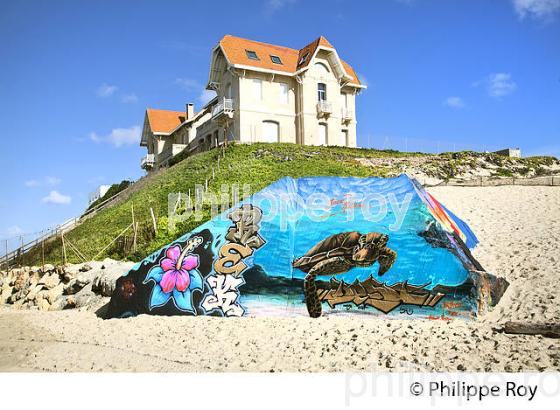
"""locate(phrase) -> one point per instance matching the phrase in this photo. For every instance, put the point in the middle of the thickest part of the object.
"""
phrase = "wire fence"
(432, 146)
(13, 248)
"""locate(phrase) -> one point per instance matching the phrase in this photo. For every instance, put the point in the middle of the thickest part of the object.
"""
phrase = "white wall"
(271, 105)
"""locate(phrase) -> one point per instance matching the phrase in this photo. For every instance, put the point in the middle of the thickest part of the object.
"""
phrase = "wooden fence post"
(134, 228)
(154, 221)
(63, 248)
(20, 251)
(43, 253)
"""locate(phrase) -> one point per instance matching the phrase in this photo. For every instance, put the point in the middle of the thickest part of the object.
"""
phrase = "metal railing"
(224, 106)
(12, 256)
(347, 115)
(324, 107)
(148, 161)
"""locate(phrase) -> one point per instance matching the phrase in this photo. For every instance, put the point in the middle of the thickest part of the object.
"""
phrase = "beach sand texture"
(519, 230)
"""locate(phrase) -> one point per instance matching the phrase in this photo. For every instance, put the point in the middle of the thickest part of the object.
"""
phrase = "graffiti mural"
(352, 254)
(242, 240)
(338, 254)
(378, 295)
(176, 277)
(225, 291)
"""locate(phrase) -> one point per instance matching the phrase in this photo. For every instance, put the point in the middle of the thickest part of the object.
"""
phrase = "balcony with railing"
(347, 115)
(324, 108)
(147, 161)
(224, 107)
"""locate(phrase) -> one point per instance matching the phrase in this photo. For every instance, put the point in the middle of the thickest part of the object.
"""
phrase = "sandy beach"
(519, 231)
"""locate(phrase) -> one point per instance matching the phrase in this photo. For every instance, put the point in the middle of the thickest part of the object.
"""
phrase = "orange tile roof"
(235, 50)
(235, 47)
(164, 120)
(310, 50)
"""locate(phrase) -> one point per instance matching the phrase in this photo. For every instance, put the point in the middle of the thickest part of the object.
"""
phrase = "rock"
(18, 304)
(21, 279)
(65, 302)
(5, 293)
(18, 296)
(33, 292)
(85, 268)
(85, 297)
(48, 267)
(67, 276)
(42, 294)
(55, 293)
(74, 286)
(104, 284)
(49, 280)
(62, 287)
(43, 305)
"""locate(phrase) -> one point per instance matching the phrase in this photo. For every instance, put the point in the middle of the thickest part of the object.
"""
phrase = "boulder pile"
(85, 286)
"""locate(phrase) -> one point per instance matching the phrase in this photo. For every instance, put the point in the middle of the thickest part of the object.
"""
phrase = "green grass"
(257, 165)
(112, 191)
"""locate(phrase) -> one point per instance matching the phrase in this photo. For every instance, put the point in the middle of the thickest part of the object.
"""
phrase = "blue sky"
(76, 77)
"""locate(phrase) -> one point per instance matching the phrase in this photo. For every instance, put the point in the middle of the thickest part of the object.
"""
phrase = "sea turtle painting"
(338, 254)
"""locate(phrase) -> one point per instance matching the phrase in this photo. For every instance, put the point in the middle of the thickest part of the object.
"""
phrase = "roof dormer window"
(275, 59)
(252, 55)
(303, 58)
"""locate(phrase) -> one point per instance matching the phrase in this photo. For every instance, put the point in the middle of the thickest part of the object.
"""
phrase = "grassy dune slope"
(257, 165)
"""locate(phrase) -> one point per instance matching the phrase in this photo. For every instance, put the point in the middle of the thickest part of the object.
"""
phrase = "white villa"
(265, 93)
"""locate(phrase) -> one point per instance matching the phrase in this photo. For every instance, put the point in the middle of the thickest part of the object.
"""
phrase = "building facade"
(264, 93)
(98, 193)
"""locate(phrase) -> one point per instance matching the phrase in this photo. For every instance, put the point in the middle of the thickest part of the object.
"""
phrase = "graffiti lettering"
(246, 229)
(231, 259)
(243, 239)
(378, 295)
(224, 295)
(404, 310)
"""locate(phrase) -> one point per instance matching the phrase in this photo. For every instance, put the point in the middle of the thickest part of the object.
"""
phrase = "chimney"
(189, 111)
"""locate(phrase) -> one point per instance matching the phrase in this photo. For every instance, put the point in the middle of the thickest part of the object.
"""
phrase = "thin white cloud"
(191, 85)
(272, 6)
(55, 197)
(537, 9)
(106, 90)
(454, 102)
(53, 180)
(500, 84)
(31, 183)
(188, 84)
(205, 96)
(119, 136)
(497, 84)
(129, 98)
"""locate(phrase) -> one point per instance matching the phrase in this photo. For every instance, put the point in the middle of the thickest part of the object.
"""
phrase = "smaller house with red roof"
(264, 93)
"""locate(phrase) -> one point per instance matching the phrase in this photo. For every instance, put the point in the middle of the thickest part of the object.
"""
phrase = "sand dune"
(519, 230)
